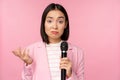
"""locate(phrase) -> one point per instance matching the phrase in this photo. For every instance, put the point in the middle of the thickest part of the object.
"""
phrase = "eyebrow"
(58, 17)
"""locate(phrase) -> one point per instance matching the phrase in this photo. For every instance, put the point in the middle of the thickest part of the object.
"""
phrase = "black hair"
(50, 7)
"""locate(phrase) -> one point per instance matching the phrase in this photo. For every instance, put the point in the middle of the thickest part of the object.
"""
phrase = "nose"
(55, 25)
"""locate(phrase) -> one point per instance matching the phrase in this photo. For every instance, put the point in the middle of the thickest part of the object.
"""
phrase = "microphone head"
(64, 46)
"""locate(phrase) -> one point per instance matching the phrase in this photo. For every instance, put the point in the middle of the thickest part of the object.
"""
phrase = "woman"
(42, 59)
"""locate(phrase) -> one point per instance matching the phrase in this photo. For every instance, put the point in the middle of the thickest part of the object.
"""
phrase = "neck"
(53, 41)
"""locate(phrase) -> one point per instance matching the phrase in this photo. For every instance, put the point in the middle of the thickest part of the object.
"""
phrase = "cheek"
(46, 30)
(62, 30)
(47, 27)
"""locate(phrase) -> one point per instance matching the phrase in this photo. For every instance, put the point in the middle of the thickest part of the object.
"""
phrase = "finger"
(63, 62)
(13, 52)
(16, 52)
(64, 59)
(24, 52)
(63, 66)
(27, 52)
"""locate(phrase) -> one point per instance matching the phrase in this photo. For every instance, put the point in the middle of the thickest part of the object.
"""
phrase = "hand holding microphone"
(65, 64)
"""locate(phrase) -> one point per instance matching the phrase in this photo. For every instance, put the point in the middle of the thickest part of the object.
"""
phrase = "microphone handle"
(63, 71)
(63, 74)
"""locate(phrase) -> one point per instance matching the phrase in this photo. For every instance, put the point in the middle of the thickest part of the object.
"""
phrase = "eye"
(49, 21)
(60, 21)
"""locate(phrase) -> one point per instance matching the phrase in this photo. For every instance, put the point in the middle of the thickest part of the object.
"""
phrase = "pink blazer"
(39, 70)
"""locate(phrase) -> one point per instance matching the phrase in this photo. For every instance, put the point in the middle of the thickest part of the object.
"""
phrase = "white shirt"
(54, 54)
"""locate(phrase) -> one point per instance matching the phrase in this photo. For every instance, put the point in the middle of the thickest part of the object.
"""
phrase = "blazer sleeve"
(78, 60)
(27, 72)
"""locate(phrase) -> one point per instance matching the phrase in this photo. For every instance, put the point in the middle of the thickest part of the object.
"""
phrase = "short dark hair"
(50, 7)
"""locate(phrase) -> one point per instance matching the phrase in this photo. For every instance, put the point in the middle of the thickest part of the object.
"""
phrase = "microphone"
(64, 48)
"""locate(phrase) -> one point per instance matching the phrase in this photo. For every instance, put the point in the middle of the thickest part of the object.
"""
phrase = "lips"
(54, 32)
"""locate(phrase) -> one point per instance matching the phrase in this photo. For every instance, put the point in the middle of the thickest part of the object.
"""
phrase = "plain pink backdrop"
(94, 25)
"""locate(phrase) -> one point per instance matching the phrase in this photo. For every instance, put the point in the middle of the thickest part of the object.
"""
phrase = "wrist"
(28, 61)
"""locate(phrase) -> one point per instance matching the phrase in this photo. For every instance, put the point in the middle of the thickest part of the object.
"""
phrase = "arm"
(28, 69)
(26, 56)
(27, 73)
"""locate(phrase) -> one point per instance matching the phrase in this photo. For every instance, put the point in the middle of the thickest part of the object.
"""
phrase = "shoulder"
(35, 45)
(76, 51)
(74, 47)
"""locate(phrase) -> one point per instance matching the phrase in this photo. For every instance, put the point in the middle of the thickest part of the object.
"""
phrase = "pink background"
(94, 24)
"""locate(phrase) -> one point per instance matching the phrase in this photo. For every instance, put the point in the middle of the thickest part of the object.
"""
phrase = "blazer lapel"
(42, 62)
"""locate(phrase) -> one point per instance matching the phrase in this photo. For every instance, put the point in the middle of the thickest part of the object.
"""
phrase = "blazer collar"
(42, 44)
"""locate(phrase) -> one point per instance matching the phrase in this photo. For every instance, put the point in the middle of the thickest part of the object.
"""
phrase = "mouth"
(54, 32)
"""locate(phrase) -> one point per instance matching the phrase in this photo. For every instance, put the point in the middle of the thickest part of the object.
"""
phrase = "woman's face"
(54, 25)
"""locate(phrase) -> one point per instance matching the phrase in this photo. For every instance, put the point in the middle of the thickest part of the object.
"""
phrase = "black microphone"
(64, 48)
